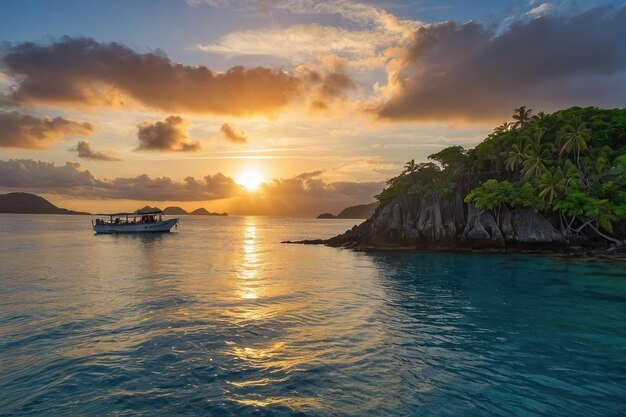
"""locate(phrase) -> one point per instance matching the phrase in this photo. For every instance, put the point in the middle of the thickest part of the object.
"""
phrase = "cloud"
(72, 180)
(233, 135)
(469, 72)
(335, 85)
(30, 174)
(357, 12)
(310, 184)
(304, 194)
(19, 130)
(81, 71)
(305, 42)
(327, 88)
(168, 135)
(143, 187)
(542, 8)
(84, 151)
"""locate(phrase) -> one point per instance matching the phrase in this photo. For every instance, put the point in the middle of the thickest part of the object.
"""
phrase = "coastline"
(605, 252)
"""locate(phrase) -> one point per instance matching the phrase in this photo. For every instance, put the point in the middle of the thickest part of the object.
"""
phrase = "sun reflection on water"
(247, 271)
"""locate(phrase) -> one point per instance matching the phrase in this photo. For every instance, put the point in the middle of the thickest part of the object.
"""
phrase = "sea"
(219, 318)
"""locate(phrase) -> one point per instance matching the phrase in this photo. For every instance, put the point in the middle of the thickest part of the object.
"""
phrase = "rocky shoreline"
(449, 224)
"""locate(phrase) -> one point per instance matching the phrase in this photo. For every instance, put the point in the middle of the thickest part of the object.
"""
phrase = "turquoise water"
(221, 319)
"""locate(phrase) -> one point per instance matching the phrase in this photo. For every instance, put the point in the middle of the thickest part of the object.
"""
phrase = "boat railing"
(119, 221)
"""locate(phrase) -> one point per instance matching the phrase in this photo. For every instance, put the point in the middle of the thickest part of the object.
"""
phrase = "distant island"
(361, 211)
(25, 203)
(177, 211)
(541, 182)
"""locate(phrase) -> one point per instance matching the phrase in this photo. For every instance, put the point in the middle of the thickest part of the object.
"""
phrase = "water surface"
(221, 319)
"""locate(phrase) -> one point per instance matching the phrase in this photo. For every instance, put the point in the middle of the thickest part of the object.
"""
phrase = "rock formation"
(447, 223)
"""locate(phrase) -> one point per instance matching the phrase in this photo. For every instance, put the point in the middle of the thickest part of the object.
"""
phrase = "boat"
(136, 222)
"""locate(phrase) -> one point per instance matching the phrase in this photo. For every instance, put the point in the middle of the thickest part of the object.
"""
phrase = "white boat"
(144, 222)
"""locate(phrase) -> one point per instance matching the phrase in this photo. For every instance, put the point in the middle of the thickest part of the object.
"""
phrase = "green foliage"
(417, 180)
(424, 179)
(453, 159)
(571, 163)
(493, 194)
(577, 204)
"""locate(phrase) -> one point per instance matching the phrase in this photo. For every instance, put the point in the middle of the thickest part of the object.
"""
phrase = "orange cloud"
(81, 71)
(85, 151)
(18, 130)
(305, 194)
(232, 134)
(168, 135)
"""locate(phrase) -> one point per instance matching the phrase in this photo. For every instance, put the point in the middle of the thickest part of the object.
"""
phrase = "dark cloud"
(71, 180)
(471, 72)
(327, 89)
(29, 174)
(84, 150)
(335, 85)
(233, 135)
(168, 135)
(18, 130)
(143, 187)
(83, 71)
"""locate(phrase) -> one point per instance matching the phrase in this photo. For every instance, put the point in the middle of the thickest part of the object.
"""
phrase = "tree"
(521, 116)
(452, 158)
(537, 156)
(504, 127)
(410, 167)
(589, 211)
(574, 139)
(551, 184)
(515, 157)
(492, 195)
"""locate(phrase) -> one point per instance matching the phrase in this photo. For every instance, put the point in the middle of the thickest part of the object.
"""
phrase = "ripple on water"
(237, 324)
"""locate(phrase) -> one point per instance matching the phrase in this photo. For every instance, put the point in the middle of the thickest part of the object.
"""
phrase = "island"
(178, 211)
(361, 211)
(541, 182)
(204, 212)
(26, 203)
(174, 211)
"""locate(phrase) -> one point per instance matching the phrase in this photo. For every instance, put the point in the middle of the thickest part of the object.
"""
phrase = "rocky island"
(545, 182)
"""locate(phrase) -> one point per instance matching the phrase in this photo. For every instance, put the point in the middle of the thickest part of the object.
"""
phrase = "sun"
(250, 180)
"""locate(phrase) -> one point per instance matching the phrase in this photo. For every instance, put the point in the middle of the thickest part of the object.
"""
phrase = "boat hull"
(157, 227)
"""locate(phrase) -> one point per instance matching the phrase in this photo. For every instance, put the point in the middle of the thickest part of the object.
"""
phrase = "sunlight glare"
(250, 180)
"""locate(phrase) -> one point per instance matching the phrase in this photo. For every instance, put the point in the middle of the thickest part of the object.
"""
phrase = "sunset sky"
(281, 107)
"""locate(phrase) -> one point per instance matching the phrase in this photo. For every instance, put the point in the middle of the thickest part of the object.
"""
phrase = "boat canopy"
(134, 213)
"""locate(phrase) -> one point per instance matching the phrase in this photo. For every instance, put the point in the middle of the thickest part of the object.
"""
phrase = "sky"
(278, 107)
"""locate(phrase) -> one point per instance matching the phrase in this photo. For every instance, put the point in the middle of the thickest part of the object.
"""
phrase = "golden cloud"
(19, 130)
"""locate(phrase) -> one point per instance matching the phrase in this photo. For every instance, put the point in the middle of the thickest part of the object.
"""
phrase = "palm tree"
(569, 171)
(536, 163)
(504, 127)
(537, 156)
(574, 139)
(552, 184)
(521, 116)
(410, 167)
(515, 157)
(597, 161)
(539, 119)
